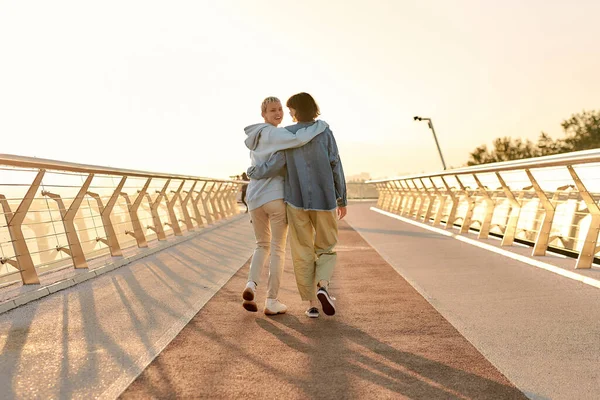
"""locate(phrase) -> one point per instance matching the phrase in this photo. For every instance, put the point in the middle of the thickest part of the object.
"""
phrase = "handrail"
(43, 163)
(556, 160)
(551, 203)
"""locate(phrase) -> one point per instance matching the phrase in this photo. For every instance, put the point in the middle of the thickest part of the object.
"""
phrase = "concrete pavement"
(540, 329)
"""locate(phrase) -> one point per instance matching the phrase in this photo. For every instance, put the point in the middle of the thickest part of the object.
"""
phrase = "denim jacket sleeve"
(338, 173)
(274, 166)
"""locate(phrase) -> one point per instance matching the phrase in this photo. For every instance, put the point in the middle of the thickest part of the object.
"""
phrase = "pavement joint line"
(535, 263)
(54, 287)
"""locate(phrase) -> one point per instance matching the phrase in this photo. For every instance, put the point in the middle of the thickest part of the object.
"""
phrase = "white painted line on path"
(536, 263)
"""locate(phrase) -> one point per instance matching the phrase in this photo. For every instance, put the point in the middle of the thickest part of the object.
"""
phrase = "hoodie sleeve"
(282, 139)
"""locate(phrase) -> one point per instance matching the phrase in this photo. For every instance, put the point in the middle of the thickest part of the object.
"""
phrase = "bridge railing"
(548, 202)
(361, 190)
(61, 215)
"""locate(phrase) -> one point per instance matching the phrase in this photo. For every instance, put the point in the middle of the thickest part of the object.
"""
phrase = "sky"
(169, 86)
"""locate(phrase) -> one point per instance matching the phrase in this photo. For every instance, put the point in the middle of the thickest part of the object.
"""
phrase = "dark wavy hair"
(306, 107)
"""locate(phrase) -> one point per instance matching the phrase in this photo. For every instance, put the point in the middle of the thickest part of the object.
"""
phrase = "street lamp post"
(434, 137)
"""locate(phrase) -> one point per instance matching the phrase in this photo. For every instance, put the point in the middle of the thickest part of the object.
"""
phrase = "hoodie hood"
(253, 132)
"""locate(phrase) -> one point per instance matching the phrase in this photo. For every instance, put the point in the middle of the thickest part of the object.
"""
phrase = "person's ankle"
(323, 284)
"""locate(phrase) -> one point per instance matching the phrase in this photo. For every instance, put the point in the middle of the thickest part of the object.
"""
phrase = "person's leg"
(326, 237)
(303, 253)
(244, 190)
(276, 210)
(262, 234)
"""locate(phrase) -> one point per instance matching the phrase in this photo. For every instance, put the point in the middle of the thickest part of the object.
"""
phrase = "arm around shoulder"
(274, 166)
(282, 139)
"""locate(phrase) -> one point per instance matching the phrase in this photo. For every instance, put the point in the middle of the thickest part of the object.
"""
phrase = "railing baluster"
(173, 221)
(453, 208)
(225, 200)
(235, 188)
(422, 196)
(154, 205)
(138, 232)
(387, 202)
(187, 220)
(442, 203)
(380, 196)
(14, 222)
(510, 230)
(75, 250)
(111, 237)
(542, 240)
(398, 197)
(467, 220)
(197, 213)
(430, 201)
(214, 201)
(484, 231)
(408, 198)
(589, 249)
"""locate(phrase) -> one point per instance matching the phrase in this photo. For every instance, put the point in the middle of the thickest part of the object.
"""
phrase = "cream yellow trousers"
(313, 236)
(270, 230)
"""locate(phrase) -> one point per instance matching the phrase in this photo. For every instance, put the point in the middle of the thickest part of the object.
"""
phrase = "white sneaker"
(248, 295)
(274, 307)
(249, 291)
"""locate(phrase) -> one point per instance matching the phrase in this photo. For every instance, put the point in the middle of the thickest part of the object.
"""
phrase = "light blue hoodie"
(265, 139)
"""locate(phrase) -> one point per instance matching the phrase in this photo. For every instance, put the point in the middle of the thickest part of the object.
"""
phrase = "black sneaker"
(312, 312)
(326, 301)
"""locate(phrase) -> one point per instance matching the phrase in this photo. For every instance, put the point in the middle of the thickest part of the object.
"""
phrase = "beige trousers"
(313, 236)
(270, 230)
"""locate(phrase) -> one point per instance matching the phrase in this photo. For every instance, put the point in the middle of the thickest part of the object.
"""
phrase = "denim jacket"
(314, 177)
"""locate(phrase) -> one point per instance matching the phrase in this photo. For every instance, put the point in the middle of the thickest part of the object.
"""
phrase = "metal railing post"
(226, 199)
(173, 221)
(197, 214)
(398, 195)
(75, 250)
(213, 199)
(422, 195)
(388, 197)
(111, 237)
(138, 232)
(154, 204)
(590, 248)
(408, 199)
(14, 222)
(232, 198)
(542, 240)
(380, 196)
(187, 220)
(468, 218)
(442, 203)
(452, 213)
(510, 230)
(430, 199)
(484, 231)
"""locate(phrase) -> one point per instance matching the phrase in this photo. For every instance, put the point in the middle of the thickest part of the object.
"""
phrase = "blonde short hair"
(267, 101)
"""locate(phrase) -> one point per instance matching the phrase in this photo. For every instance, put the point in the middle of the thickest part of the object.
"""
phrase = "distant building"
(363, 176)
